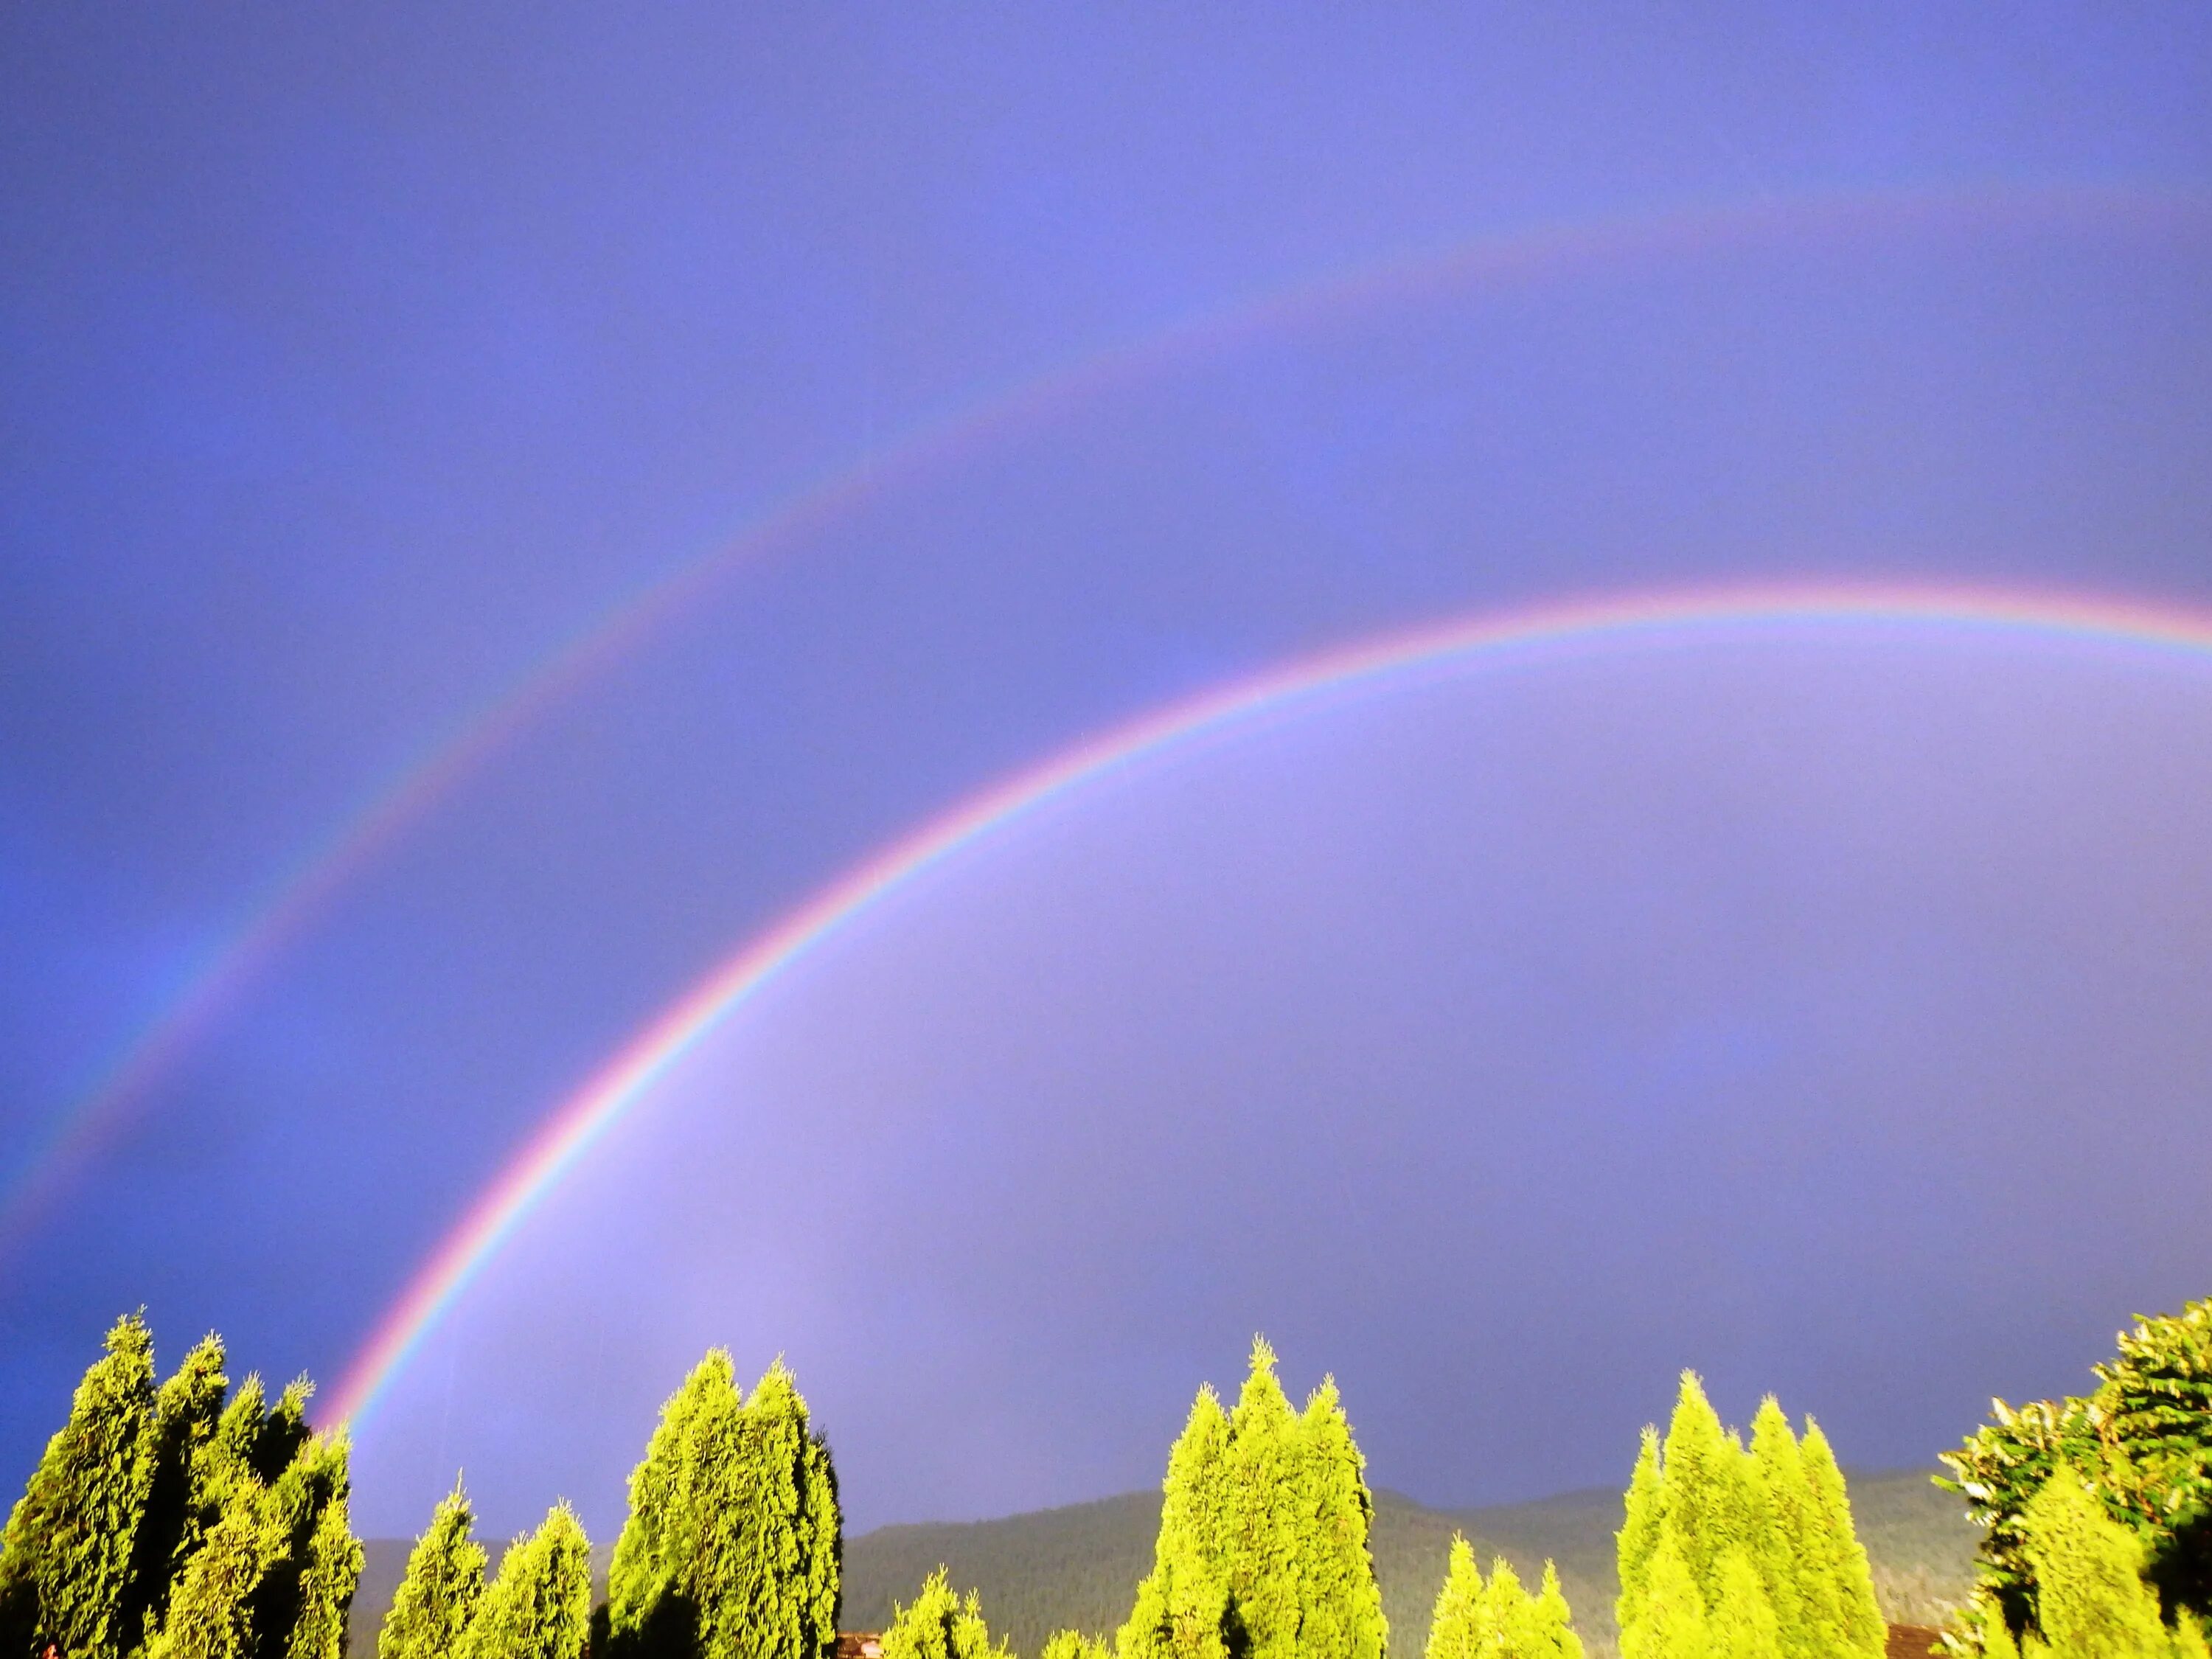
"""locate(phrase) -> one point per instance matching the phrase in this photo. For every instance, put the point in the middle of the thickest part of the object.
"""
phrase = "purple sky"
(1827, 1015)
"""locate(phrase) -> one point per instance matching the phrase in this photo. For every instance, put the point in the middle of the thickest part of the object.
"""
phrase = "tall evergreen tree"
(2090, 1601)
(1670, 1619)
(1182, 1602)
(1341, 1604)
(1863, 1630)
(65, 1554)
(733, 1546)
(1805, 1625)
(210, 1611)
(939, 1624)
(1550, 1623)
(439, 1591)
(1639, 1538)
(1459, 1628)
(1742, 1622)
(309, 1580)
(539, 1607)
(179, 1506)
(1266, 1534)
(1703, 1485)
(793, 1544)
(329, 1575)
(1074, 1644)
(650, 1615)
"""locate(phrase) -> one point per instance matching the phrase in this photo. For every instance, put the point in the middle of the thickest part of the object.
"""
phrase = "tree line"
(183, 1520)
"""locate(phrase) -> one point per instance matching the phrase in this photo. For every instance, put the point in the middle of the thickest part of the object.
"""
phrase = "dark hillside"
(1077, 1567)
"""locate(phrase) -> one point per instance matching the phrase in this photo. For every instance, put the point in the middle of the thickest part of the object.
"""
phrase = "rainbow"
(580, 1121)
(285, 908)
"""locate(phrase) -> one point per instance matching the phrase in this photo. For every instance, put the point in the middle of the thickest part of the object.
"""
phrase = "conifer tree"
(539, 1607)
(1459, 1628)
(1670, 1616)
(314, 1565)
(1074, 1644)
(210, 1612)
(1550, 1623)
(787, 1587)
(1804, 1627)
(1183, 1601)
(1742, 1624)
(1340, 1605)
(940, 1625)
(2189, 1641)
(1703, 1482)
(1639, 1529)
(1510, 1611)
(439, 1591)
(1987, 1617)
(329, 1575)
(1848, 1575)
(650, 1616)
(2090, 1598)
(65, 1554)
(178, 1506)
(1267, 1536)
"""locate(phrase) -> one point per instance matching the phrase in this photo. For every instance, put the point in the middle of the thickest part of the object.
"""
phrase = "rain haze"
(1523, 694)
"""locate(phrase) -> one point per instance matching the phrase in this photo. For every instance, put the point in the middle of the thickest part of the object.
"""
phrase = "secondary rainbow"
(290, 904)
(585, 1116)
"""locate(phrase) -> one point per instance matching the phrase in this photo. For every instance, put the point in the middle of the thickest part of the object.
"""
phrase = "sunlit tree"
(66, 1555)
(438, 1590)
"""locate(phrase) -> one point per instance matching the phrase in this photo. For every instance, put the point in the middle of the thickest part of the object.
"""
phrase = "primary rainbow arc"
(581, 1119)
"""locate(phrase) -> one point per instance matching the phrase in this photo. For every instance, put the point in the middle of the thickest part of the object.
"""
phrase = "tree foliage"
(2141, 1442)
(438, 1590)
(733, 1546)
(66, 1555)
(539, 1607)
(1761, 1536)
(939, 1624)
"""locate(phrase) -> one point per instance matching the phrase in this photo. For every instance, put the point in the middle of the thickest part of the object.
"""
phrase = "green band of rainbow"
(576, 1125)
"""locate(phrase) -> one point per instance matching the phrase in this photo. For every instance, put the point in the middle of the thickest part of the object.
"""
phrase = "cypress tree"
(1639, 1528)
(328, 1578)
(1702, 1486)
(649, 1617)
(539, 1607)
(1459, 1628)
(1266, 1538)
(1510, 1611)
(1742, 1624)
(939, 1625)
(1782, 1500)
(2090, 1600)
(308, 1581)
(1183, 1601)
(1670, 1618)
(179, 1506)
(1074, 1644)
(788, 1589)
(1863, 1630)
(65, 1554)
(1996, 1639)
(1551, 1624)
(2189, 1641)
(439, 1591)
(1340, 1605)
(211, 1614)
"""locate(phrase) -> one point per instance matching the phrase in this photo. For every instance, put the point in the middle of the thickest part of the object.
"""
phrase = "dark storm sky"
(1828, 1013)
